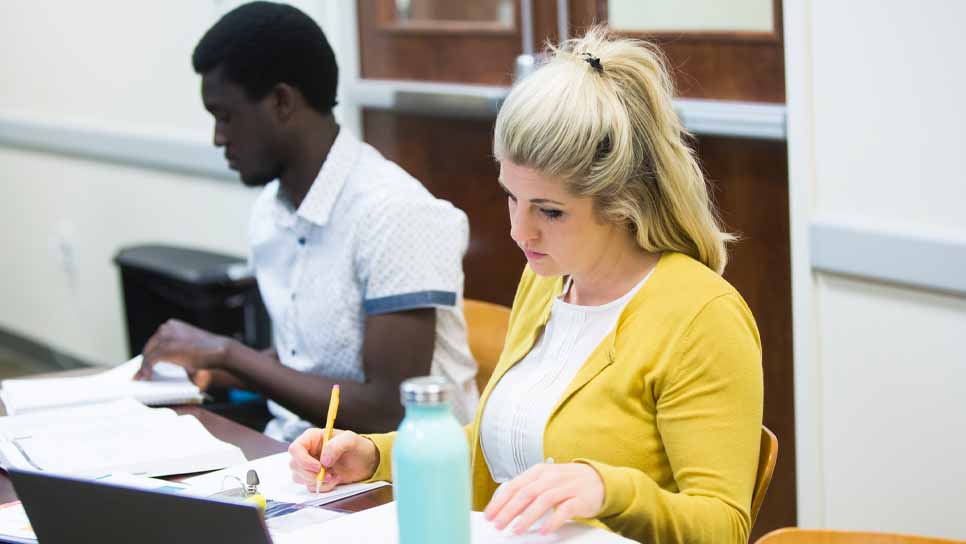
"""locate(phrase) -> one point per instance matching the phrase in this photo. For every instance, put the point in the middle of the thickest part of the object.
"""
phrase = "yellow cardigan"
(667, 408)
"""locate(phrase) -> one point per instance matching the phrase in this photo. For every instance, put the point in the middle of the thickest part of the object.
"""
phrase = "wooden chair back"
(486, 325)
(767, 456)
(794, 535)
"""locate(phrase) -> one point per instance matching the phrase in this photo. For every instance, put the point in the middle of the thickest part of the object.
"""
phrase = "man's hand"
(187, 346)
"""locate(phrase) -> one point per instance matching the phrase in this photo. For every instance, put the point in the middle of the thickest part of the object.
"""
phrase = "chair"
(767, 456)
(794, 535)
(486, 325)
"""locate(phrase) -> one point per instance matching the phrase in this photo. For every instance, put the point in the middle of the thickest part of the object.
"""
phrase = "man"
(358, 264)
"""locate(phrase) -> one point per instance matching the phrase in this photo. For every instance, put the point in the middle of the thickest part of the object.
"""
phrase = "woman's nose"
(522, 229)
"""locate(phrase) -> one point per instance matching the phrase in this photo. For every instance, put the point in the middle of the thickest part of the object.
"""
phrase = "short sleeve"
(410, 255)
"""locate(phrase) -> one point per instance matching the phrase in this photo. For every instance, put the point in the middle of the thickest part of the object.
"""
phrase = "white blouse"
(519, 406)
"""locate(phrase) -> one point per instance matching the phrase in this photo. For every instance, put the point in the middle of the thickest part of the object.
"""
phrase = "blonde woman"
(629, 391)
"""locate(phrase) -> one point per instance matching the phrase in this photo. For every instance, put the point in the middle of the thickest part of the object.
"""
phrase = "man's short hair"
(262, 44)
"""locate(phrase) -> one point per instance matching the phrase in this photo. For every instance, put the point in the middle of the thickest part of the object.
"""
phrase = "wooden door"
(473, 45)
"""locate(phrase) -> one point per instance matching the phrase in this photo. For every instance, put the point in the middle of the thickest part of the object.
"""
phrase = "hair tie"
(594, 62)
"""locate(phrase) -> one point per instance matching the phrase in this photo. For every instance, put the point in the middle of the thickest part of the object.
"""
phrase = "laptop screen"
(64, 509)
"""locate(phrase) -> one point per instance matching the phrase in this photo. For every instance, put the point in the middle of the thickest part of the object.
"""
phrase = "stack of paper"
(118, 436)
(169, 385)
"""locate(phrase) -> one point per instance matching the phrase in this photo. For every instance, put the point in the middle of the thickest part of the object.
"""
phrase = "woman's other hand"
(572, 490)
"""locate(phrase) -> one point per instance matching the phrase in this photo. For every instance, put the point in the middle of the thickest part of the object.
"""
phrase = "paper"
(275, 482)
(280, 517)
(379, 525)
(170, 385)
(14, 524)
(12, 427)
(142, 482)
(119, 436)
(298, 521)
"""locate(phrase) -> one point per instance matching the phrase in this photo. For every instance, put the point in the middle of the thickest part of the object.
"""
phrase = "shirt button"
(293, 296)
(293, 352)
(301, 240)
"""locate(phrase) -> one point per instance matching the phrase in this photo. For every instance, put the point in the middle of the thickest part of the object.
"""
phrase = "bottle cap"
(425, 390)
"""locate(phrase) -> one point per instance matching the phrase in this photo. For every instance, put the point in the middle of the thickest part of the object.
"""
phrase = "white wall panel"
(876, 132)
(894, 384)
(889, 121)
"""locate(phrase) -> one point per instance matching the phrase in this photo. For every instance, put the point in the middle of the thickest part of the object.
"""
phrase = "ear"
(285, 101)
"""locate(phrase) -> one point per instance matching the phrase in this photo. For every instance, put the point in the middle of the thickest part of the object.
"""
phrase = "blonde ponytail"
(599, 115)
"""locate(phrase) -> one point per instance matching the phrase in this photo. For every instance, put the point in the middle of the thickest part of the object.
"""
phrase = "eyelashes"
(552, 215)
(549, 213)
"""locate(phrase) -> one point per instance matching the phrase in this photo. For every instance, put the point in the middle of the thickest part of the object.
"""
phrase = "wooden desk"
(254, 445)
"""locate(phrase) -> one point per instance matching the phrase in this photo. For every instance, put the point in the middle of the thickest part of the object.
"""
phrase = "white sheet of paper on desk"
(170, 385)
(276, 483)
(119, 436)
(155, 446)
(14, 524)
(76, 417)
(379, 525)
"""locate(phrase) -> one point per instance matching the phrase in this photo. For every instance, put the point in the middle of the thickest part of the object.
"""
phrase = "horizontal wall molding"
(928, 261)
(705, 117)
(435, 99)
(734, 119)
(155, 152)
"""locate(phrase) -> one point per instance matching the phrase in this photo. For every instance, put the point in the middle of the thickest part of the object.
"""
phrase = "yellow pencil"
(327, 433)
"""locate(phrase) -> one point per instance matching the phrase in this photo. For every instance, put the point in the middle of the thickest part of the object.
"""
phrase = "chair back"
(486, 325)
(767, 456)
(794, 535)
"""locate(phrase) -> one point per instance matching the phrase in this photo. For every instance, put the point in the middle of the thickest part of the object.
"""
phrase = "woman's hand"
(348, 458)
(572, 490)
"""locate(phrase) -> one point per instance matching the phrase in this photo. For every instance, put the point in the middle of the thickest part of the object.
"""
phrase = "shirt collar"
(318, 203)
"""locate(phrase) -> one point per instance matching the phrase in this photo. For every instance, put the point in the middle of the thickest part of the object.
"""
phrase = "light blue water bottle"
(431, 467)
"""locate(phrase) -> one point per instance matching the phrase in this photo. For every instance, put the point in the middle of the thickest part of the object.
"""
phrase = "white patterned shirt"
(515, 415)
(367, 239)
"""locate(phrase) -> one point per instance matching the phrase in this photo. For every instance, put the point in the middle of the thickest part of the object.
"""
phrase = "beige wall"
(65, 218)
(116, 68)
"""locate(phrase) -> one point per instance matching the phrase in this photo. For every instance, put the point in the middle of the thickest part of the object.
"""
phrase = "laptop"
(63, 509)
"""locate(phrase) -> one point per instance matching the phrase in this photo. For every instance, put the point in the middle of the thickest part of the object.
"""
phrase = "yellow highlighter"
(327, 433)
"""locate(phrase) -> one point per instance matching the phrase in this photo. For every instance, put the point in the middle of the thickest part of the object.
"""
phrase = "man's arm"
(396, 346)
(217, 379)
